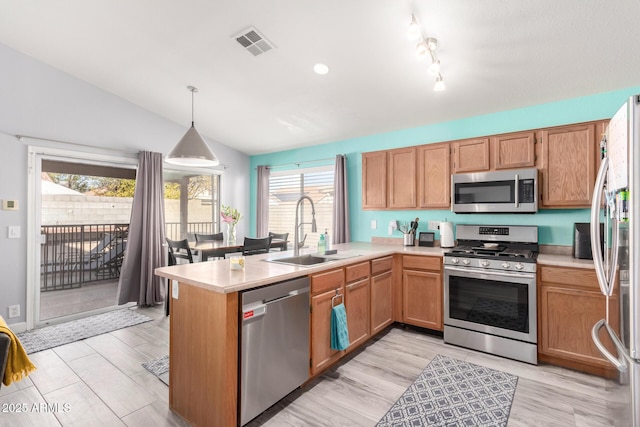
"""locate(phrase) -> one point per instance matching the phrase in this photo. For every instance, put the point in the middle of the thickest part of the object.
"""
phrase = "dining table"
(219, 248)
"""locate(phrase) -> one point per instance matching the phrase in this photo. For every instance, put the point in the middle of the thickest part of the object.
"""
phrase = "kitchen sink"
(301, 260)
(310, 260)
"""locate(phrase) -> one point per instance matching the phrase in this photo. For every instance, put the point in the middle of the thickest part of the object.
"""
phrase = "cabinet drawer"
(381, 265)
(355, 272)
(577, 277)
(414, 262)
(326, 281)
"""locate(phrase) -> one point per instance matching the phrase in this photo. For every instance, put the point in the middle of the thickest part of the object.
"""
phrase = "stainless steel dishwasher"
(274, 354)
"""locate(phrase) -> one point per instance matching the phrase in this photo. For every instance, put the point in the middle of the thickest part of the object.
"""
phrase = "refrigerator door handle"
(596, 245)
(613, 260)
(619, 362)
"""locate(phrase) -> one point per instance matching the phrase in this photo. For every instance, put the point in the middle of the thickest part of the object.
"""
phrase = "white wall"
(38, 100)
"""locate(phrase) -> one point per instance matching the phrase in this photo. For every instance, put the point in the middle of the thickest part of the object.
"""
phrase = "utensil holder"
(409, 239)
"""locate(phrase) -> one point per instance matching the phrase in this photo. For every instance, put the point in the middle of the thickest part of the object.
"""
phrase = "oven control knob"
(466, 261)
(506, 265)
(485, 263)
(454, 260)
(518, 266)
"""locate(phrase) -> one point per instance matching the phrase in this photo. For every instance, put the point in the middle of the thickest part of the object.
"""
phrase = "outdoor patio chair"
(108, 265)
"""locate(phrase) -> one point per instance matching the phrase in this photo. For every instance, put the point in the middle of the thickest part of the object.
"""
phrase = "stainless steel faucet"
(297, 244)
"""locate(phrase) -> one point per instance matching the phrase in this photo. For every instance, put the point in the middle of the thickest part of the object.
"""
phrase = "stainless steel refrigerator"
(618, 260)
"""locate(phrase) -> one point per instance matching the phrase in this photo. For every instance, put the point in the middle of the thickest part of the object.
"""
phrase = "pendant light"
(192, 150)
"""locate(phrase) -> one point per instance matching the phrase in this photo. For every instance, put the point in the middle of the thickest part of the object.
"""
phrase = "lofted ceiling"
(496, 55)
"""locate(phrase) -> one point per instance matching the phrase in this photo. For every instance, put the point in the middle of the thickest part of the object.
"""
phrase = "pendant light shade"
(192, 150)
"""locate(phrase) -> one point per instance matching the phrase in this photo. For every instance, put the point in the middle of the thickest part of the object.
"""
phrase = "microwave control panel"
(527, 191)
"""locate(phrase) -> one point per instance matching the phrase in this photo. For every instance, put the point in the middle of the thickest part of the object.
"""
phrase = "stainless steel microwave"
(508, 191)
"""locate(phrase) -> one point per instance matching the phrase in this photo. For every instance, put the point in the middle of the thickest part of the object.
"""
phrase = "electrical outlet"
(374, 224)
(175, 289)
(434, 225)
(14, 311)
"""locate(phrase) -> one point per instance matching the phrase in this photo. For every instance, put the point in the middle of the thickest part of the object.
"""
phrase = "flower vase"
(231, 233)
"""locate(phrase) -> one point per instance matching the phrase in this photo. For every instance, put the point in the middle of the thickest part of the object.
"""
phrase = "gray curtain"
(145, 250)
(341, 231)
(262, 202)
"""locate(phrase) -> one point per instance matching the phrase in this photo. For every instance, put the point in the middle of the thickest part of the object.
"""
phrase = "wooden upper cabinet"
(374, 180)
(514, 150)
(471, 155)
(389, 179)
(434, 176)
(568, 165)
(402, 178)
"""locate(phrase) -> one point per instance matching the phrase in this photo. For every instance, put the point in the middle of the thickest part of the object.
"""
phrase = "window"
(191, 204)
(286, 188)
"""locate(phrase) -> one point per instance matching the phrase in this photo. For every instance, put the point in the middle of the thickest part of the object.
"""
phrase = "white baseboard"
(18, 327)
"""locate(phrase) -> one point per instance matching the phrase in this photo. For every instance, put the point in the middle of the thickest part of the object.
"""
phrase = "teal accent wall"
(556, 225)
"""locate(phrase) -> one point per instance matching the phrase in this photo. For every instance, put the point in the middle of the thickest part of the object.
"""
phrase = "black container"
(582, 240)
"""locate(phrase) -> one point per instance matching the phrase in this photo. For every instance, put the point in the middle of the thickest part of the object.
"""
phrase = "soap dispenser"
(321, 244)
(327, 243)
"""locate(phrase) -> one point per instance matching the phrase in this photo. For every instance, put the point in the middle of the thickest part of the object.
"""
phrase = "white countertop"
(218, 277)
(564, 261)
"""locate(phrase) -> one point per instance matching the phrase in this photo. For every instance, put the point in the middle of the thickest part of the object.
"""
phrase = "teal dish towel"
(339, 329)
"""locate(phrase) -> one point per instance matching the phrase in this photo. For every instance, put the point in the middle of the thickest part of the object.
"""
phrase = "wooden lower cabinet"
(357, 303)
(324, 286)
(367, 289)
(322, 355)
(569, 304)
(381, 294)
(357, 306)
(422, 297)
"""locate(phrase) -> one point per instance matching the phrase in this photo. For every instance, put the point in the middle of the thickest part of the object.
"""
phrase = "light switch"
(374, 224)
(13, 231)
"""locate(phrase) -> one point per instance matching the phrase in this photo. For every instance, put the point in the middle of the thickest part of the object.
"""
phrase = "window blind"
(286, 188)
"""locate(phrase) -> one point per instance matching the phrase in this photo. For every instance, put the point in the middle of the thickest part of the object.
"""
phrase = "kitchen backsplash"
(555, 226)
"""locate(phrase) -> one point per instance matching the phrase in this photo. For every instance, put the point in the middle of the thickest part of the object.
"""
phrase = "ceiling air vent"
(253, 41)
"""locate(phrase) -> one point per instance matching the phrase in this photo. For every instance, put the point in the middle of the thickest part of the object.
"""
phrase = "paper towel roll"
(446, 235)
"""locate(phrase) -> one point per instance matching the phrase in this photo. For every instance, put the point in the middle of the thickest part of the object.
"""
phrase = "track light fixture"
(414, 31)
(427, 48)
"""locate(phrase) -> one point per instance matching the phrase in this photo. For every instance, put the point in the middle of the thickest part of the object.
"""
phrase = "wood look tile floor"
(100, 382)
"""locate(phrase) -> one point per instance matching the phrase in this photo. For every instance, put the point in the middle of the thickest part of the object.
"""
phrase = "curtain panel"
(145, 251)
(262, 202)
(341, 230)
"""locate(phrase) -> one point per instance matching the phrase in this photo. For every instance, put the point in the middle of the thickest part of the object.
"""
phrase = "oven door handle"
(492, 273)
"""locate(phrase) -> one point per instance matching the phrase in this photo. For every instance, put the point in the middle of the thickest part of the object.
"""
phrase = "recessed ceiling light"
(321, 69)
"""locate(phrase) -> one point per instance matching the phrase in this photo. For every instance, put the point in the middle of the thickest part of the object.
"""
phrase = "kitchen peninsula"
(204, 327)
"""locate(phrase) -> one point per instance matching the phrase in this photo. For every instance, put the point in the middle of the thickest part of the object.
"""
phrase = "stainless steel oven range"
(490, 291)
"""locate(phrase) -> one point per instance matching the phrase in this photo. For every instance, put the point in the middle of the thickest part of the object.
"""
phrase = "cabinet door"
(566, 318)
(568, 165)
(434, 176)
(422, 299)
(514, 150)
(471, 155)
(374, 180)
(322, 355)
(402, 178)
(381, 301)
(357, 306)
